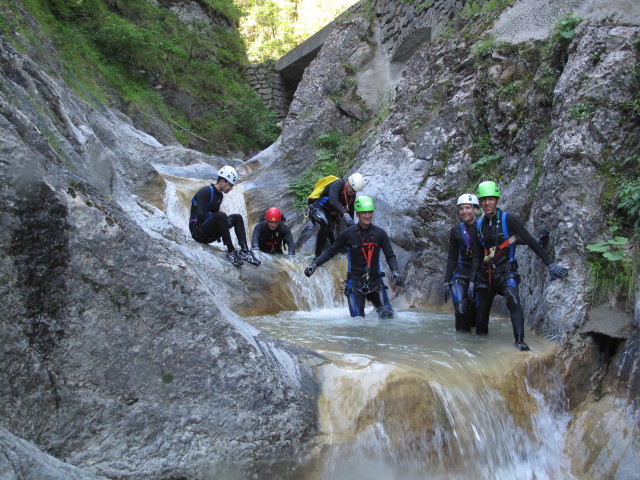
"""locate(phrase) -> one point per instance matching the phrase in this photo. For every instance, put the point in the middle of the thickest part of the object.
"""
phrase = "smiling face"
(365, 219)
(467, 213)
(489, 205)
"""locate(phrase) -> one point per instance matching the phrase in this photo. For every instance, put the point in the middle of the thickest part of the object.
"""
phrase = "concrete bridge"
(291, 65)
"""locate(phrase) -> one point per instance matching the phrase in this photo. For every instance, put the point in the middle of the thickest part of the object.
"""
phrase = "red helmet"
(274, 215)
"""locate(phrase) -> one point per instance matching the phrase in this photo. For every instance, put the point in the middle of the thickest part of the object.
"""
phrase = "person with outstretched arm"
(495, 264)
(364, 242)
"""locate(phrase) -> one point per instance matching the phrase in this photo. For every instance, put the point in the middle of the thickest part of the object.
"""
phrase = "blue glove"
(556, 271)
(348, 220)
(447, 292)
(310, 269)
(471, 293)
(397, 279)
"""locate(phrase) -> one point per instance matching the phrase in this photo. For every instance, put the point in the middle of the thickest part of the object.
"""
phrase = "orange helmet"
(273, 215)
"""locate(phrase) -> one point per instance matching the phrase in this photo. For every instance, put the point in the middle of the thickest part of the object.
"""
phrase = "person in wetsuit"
(208, 224)
(494, 262)
(363, 242)
(271, 234)
(456, 277)
(334, 203)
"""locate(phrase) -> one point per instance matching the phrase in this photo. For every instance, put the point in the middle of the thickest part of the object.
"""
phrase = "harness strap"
(346, 197)
(493, 252)
(368, 255)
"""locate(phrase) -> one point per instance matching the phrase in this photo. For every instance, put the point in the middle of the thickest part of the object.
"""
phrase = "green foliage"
(611, 249)
(129, 51)
(485, 47)
(582, 111)
(635, 103)
(614, 262)
(335, 152)
(419, 5)
(272, 28)
(613, 265)
(629, 193)
(564, 29)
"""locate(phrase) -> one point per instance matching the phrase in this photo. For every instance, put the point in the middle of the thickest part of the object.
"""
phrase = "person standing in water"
(495, 264)
(457, 275)
(208, 224)
(363, 242)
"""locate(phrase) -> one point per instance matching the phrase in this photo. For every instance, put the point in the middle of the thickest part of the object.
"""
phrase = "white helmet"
(468, 198)
(229, 174)
(356, 181)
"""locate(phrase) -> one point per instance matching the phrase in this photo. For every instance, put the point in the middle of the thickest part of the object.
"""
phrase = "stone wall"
(271, 88)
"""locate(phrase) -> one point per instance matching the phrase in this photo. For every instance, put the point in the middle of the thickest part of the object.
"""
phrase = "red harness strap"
(493, 253)
(368, 255)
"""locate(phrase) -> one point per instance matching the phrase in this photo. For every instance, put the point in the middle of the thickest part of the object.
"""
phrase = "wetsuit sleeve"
(452, 256)
(257, 231)
(335, 190)
(288, 238)
(515, 226)
(202, 199)
(335, 247)
(388, 251)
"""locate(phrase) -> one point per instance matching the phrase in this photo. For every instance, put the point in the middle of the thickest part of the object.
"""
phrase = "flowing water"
(409, 398)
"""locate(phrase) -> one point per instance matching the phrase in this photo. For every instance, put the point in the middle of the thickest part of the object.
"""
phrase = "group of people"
(480, 265)
(481, 262)
(362, 241)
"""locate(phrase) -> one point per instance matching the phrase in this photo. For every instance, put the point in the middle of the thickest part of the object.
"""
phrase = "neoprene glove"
(310, 269)
(471, 293)
(397, 279)
(348, 220)
(447, 292)
(557, 271)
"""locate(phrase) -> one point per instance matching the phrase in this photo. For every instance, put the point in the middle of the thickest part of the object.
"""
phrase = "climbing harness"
(491, 254)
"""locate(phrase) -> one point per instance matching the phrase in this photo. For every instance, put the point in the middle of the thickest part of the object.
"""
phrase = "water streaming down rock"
(410, 398)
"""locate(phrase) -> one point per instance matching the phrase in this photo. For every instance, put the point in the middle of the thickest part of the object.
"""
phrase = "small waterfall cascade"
(409, 398)
(290, 288)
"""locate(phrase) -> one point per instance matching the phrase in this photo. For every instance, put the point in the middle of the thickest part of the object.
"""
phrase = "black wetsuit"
(500, 275)
(208, 224)
(364, 279)
(457, 274)
(271, 241)
(327, 211)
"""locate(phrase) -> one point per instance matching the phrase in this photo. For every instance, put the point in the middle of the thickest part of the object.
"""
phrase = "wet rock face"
(119, 351)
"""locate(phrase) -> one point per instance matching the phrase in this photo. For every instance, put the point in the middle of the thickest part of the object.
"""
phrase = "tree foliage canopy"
(273, 27)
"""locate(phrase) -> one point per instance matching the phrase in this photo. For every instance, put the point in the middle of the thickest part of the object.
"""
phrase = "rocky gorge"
(124, 352)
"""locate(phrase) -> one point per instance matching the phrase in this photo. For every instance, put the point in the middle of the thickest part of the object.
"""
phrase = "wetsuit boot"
(523, 347)
(248, 256)
(234, 257)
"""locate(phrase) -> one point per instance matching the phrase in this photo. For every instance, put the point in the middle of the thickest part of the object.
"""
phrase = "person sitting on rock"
(208, 224)
(456, 277)
(495, 264)
(363, 242)
(270, 234)
(335, 202)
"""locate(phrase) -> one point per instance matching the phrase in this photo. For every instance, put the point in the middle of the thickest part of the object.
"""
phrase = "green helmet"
(364, 204)
(488, 189)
